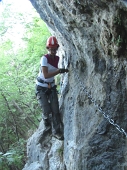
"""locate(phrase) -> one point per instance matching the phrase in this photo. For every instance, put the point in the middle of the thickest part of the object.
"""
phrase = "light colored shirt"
(52, 65)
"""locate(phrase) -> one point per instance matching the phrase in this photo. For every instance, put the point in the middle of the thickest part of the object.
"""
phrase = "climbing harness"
(111, 121)
(42, 81)
(48, 90)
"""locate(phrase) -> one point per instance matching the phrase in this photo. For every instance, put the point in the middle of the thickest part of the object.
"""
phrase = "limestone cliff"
(93, 103)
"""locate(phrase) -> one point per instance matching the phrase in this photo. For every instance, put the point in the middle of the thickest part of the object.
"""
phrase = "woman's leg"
(56, 120)
(44, 104)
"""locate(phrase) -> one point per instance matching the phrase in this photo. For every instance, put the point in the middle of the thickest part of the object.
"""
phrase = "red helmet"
(52, 42)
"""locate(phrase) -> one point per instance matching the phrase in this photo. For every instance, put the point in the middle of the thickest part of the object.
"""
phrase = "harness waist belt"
(42, 81)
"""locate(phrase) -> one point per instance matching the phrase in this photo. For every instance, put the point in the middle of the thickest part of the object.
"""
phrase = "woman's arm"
(51, 74)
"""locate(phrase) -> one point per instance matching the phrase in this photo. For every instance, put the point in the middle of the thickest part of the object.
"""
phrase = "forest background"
(23, 37)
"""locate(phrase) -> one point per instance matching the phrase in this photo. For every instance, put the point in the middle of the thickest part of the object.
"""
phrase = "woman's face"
(52, 51)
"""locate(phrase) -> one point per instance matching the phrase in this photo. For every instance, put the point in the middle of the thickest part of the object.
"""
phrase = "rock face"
(93, 102)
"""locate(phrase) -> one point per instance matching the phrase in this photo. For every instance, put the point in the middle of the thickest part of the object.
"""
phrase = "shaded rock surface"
(93, 102)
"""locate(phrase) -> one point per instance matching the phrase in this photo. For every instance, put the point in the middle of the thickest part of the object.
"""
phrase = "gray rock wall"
(93, 101)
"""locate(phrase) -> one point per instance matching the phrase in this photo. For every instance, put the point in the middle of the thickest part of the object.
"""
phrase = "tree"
(19, 109)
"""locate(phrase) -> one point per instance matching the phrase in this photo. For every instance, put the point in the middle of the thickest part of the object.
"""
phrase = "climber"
(46, 91)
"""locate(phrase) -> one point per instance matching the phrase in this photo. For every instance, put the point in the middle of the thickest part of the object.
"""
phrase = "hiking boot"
(59, 136)
(47, 124)
(47, 128)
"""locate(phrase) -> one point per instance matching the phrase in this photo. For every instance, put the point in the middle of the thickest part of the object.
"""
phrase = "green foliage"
(118, 20)
(119, 40)
(19, 108)
(60, 152)
(14, 157)
(36, 40)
